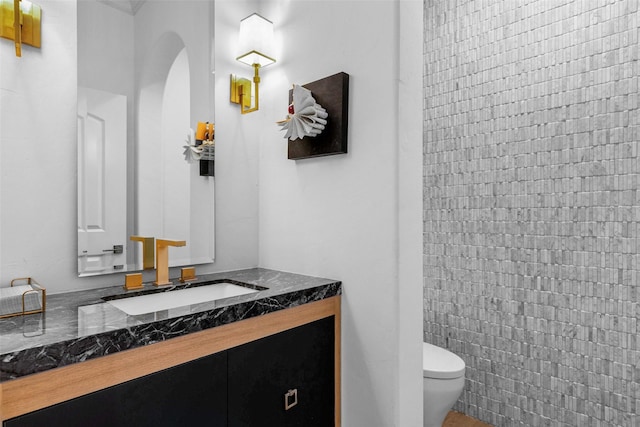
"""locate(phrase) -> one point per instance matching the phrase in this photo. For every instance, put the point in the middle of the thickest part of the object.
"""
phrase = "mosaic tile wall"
(531, 206)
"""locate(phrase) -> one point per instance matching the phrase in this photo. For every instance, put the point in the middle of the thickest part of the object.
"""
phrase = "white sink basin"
(151, 303)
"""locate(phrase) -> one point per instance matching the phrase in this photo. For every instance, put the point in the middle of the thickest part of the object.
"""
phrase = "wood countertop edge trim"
(29, 393)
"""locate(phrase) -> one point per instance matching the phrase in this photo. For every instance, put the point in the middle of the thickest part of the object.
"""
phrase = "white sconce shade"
(256, 41)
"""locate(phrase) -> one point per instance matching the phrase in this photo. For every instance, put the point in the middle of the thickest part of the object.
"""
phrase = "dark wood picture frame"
(332, 93)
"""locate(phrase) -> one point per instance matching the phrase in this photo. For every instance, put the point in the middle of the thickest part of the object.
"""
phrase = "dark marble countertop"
(79, 326)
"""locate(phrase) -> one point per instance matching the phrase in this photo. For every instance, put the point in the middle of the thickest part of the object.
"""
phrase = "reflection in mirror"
(144, 81)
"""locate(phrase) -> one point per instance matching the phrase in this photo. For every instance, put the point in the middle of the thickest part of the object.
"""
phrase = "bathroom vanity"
(269, 357)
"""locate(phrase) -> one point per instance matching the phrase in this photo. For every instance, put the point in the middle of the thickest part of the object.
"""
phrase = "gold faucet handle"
(162, 243)
(187, 274)
(148, 251)
(133, 281)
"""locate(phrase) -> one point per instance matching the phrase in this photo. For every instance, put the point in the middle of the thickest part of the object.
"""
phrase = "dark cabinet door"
(267, 375)
(191, 394)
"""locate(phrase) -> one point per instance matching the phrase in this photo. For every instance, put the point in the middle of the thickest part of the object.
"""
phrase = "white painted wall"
(38, 154)
(38, 167)
(162, 30)
(409, 192)
(237, 146)
(107, 51)
(354, 217)
(176, 119)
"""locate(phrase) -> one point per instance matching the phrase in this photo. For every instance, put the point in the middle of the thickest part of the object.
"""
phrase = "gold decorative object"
(204, 146)
(18, 299)
(20, 22)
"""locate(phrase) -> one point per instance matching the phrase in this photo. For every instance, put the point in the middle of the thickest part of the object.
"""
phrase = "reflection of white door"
(102, 153)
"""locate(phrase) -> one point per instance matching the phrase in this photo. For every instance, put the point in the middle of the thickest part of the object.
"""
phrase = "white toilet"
(443, 381)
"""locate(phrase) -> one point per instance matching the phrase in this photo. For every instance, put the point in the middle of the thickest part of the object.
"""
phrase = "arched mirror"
(144, 82)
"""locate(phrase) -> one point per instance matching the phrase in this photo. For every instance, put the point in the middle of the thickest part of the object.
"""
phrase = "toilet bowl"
(443, 381)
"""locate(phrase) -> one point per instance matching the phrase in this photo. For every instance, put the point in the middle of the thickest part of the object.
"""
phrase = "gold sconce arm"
(20, 22)
(241, 91)
(17, 25)
(256, 82)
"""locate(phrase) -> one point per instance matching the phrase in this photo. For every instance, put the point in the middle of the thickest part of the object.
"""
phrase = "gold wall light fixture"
(255, 47)
(20, 22)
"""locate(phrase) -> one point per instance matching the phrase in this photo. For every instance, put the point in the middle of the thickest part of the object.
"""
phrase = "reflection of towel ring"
(288, 403)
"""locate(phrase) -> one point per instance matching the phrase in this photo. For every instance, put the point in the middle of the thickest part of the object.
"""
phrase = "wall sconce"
(20, 21)
(256, 47)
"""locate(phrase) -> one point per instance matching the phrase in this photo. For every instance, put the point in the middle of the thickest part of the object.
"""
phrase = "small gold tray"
(17, 299)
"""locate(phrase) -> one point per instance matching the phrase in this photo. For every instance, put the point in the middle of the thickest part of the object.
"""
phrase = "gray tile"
(531, 211)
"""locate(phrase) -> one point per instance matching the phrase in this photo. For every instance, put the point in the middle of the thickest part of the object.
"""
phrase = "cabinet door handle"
(290, 399)
(117, 249)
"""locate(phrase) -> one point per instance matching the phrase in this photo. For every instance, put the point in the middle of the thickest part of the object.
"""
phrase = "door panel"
(102, 144)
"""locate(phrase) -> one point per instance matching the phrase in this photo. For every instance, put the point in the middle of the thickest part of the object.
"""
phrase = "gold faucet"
(147, 251)
(162, 259)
